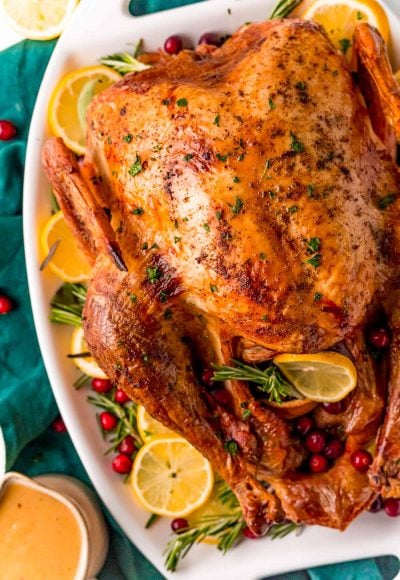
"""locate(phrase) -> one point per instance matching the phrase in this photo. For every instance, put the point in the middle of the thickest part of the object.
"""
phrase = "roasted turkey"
(204, 179)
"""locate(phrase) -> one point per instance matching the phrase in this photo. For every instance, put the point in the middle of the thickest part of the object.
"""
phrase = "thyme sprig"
(126, 415)
(67, 304)
(125, 63)
(284, 8)
(269, 381)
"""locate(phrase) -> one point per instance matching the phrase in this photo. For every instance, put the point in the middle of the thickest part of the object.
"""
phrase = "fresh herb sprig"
(126, 415)
(279, 531)
(125, 63)
(284, 8)
(269, 381)
(67, 304)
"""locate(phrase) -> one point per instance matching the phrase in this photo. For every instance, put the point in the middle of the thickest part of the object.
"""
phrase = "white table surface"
(9, 37)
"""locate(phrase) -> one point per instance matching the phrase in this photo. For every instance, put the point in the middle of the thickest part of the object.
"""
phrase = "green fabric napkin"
(27, 406)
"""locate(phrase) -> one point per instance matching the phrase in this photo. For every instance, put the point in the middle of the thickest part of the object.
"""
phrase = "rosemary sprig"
(226, 529)
(269, 381)
(126, 415)
(284, 8)
(67, 304)
(278, 531)
(125, 63)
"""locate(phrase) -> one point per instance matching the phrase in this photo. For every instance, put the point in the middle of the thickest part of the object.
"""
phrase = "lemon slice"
(325, 377)
(87, 365)
(69, 100)
(149, 427)
(38, 20)
(340, 17)
(171, 478)
(67, 262)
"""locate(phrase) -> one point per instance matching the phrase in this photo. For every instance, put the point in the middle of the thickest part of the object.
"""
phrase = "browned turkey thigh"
(221, 169)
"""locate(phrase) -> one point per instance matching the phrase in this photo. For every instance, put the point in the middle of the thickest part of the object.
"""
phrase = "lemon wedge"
(85, 364)
(38, 20)
(69, 101)
(171, 478)
(340, 18)
(68, 261)
(149, 427)
(325, 377)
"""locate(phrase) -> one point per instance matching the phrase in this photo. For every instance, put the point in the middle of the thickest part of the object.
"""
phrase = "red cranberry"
(127, 445)
(108, 421)
(316, 441)
(249, 534)
(122, 464)
(5, 305)
(179, 525)
(58, 425)
(173, 44)
(376, 506)
(334, 449)
(207, 377)
(318, 463)
(101, 385)
(361, 460)
(7, 130)
(392, 507)
(304, 425)
(210, 38)
(121, 397)
(333, 408)
(379, 337)
(222, 396)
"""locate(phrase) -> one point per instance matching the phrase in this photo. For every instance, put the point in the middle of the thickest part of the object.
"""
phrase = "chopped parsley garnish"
(218, 215)
(127, 138)
(138, 211)
(136, 167)
(335, 73)
(163, 296)
(272, 194)
(222, 157)
(310, 189)
(145, 357)
(182, 102)
(317, 296)
(313, 245)
(216, 120)
(133, 297)
(246, 414)
(359, 15)
(296, 145)
(154, 247)
(165, 102)
(237, 208)
(213, 288)
(386, 201)
(301, 86)
(231, 447)
(264, 317)
(345, 44)
(145, 246)
(236, 179)
(293, 209)
(315, 261)
(153, 274)
(188, 157)
(271, 103)
(177, 239)
(206, 228)
(262, 256)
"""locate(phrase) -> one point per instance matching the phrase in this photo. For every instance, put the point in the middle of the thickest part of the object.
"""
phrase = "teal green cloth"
(27, 406)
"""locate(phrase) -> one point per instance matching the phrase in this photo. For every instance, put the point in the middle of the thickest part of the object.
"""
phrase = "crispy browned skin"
(218, 168)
